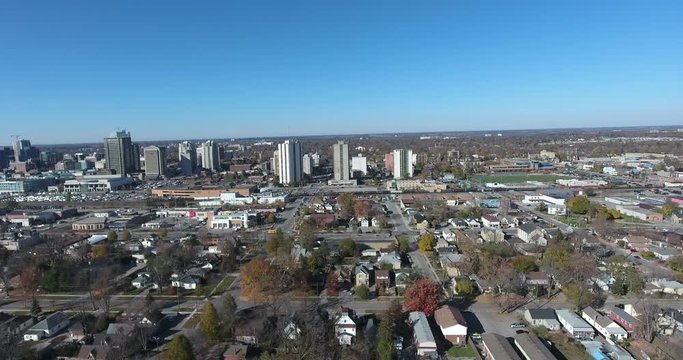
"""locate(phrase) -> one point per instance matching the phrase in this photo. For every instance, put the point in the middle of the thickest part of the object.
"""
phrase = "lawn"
(569, 350)
(224, 284)
(462, 352)
(516, 179)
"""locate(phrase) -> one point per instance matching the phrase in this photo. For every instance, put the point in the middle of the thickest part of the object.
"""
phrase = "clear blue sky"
(76, 70)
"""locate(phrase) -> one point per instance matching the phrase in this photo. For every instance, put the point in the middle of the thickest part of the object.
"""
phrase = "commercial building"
(340, 152)
(187, 158)
(231, 220)
(359, 164)
(122, 156)
(97, 183)
(23, 151)
(89, 224)
(155, 161)
(290, 162)
(25, 186)
(640, 213)
(210, 158)
(403, 164)
(307, 163)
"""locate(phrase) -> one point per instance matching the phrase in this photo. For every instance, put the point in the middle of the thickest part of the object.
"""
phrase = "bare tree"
(648, 316)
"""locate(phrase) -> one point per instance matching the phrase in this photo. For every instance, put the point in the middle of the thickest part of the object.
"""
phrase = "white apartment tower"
(341, 161)
(187, 158)
(359, 163)
(155, 161)
(403, 164)
(307, 164)
(210, 159)
(290, 160)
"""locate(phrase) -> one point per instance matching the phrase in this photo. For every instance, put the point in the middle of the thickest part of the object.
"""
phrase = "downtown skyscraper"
(210, 159)
(403, 164)
(187, 158)
(340, 152)
(155, 161)
(123, 157)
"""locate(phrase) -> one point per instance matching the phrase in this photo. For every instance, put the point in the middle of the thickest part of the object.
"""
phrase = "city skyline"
(304, 69)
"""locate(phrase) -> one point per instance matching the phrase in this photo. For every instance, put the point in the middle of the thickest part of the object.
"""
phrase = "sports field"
(520, 178)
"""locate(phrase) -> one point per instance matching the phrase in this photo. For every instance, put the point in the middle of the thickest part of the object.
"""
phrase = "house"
(422, 333)
(531, 234)
(452, 324)
(365, 222)
(542, 317)
(603, 324)
(149, 241)
(620, 316)
(250, 324)
(532, 348)
(557, 209)
(51, 325)
(364, 274)
(383, 279)
(369, 253)
(15, 325)
(151, 318)
(451, 262)
(345, 326)
(402, 280)
(235, 352)
(490, 221)
(76, 332)
(187, 282)
(492, 235)
(574, 325)
(94, 352)
(497, 347)
(664, 253)
(473, 223)
(392, 258)
(142, 280)
(666, 287)
(537, 278)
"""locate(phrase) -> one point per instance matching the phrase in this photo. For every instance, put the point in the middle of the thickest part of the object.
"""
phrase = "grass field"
(517, 178)
(568, 350)
(462, 352)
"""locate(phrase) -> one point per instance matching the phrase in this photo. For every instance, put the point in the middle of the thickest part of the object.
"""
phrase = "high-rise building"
(187, 158)
(389, 161)
(21, 148)
(341, 161)
(403, 164)
(122, 156)
(275, 165)
(155, 161)
(210, 159)
(359, 164)
(315, 157)
(5, 154)
(307, 164)
(290, 160)
(49, 158)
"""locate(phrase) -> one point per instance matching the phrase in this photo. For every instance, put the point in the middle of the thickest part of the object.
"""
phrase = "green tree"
(35, 307)
(362, 292)
(524, 264)
(385, 335)
(579, 205)
(112, 236)
(228, 316)
(465, 289)
(208, 322)
(125, 235)
(577, 295)
(669, 208)
(180, 348)
(403, 246)
(426, 242)
(347, 247)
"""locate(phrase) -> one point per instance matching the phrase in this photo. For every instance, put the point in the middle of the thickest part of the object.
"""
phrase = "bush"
(362, 292)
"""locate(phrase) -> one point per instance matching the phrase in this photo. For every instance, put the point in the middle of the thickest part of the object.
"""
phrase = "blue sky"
(76, 70)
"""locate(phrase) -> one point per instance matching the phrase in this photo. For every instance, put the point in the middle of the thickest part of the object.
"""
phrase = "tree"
(208, 322)
(228, 316)
(125, 235)
(578, 295)
(29, 280)
(385, 341)
(424, 295)
(112, 236)
(676, 263)
(426, 242)
(99, 252)
(258, 280)
(669, 208)
(647, 320)
(465, 289)
(35, 307)
(579, 205)
(163, 233)
(403, 246)
(180, 348)
(347, 247)
(332, 284)
(524, 264)
(307, 234)
(362, 292)
(345, 202)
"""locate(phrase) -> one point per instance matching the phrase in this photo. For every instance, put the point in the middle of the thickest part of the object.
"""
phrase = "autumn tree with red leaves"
(332, 284)
(424, 295)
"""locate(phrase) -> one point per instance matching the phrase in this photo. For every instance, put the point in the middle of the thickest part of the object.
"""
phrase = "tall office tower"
(316, 160)
(210, 159)
(341, 161)
(360, 164)
(155, 161)
(291, 169)
(22, 150)
(121, 155)
(403, 164)
(5, 154)
(187, 158)
(275, 162)
(49, 158)
(307, 164)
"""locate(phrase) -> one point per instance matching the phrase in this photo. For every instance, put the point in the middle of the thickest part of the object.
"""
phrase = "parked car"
(518, 325)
